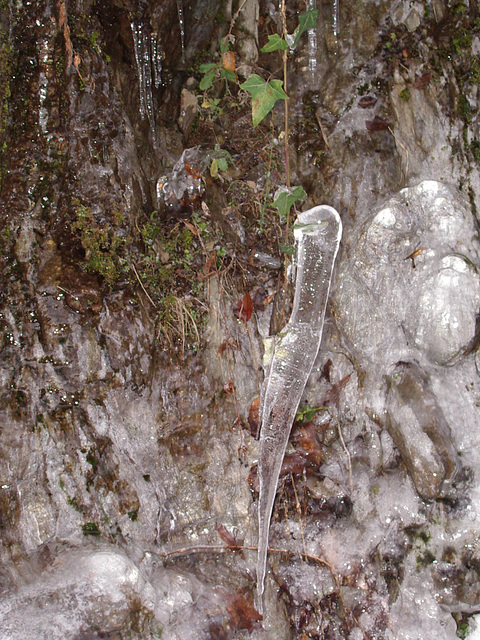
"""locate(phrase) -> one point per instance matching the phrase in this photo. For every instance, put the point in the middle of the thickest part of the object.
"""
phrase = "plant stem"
(285, 88)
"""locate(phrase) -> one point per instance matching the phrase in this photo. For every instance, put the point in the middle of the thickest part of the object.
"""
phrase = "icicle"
(143, 59)
(312, 41)
(137, 32)
(182, 27)
(317, 235)
(43, 86)
(336, 19)
(156, 60)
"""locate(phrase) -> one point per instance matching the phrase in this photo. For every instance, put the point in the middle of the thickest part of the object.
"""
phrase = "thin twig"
(285, 88)
(324, 136)
(217, 548)
(143, 288)
(347, 453)
(235, 17)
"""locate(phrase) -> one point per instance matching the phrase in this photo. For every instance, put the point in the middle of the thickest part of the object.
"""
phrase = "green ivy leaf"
(287, 198)
(207, 80)
(229, 75)
(214, 169)
(307, 20)
(222, 164)
(307, 414)
(264, 95)
(275, 43)
(208, 66)
(224, 46)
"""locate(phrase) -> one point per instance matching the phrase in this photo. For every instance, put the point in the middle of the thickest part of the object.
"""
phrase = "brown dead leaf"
(293, 463)
(68, 45)
(377, 124)
(333, 395)
(229, 387)
(307, 444)
(77, 61)
(253, 481)
(423, 80)
(228, 61)
(244, 308)
(242, 612)
(62, 13)
(326, 370)
(367, 102)
(191, 228)
(227, 344)
(210, 266)
(254, 418)
(230, 541)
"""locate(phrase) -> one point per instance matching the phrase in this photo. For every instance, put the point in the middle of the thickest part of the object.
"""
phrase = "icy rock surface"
(410, 292)
(86, 589)
(419, 429)
(409, 288)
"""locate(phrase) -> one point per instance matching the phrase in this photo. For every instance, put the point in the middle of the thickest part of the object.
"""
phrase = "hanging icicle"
(181, 22)
(149, 66)
(312, 41)
(336, 18)
(156, 59)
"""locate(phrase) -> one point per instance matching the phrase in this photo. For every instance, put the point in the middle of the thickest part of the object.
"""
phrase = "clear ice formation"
(393, 307)
(317, 236)
(185, 179)
(148, 56)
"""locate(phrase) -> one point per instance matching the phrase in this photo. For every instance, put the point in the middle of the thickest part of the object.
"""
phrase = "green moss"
(90, 529)
(475, 149)
(425, 559)
(462, 41)
(74, 504)
(6, 59)
(405, 94)
(460, 9)
(465, 110)
(103, 248)
(425, 536)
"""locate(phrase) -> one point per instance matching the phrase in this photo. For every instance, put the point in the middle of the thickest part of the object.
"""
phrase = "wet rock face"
(92, 589)
(409, 289)
(119, 465)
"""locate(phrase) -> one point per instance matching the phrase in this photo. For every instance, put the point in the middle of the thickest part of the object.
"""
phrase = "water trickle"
(181, 22)
(146, 67)
(336, 18)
